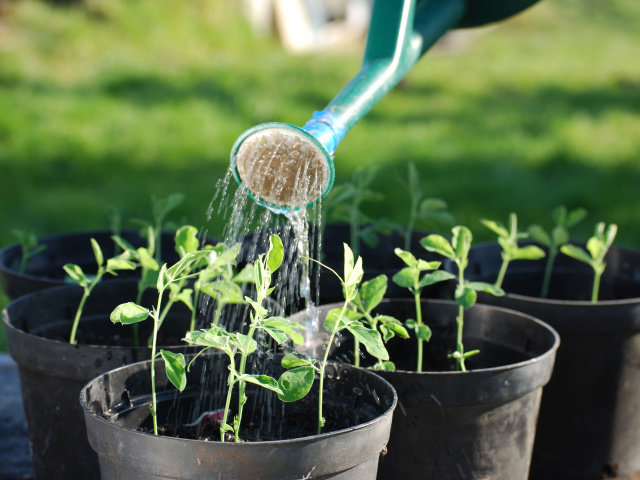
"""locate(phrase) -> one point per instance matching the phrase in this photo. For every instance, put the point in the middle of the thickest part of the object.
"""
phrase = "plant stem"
(503, 271)
(459, 345)
(85, 295)
(242, 383)
(596, 286)
(547, 272)
(154, 403)
(230, 383)
(323, 366)
(416, 297)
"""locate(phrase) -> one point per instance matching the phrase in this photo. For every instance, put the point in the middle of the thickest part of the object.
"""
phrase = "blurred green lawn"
(108, 102)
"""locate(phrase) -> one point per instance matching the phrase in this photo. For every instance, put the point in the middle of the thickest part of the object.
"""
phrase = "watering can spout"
(285, 167)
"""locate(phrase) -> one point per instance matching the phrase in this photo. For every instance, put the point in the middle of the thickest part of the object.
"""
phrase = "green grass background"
(107, 102)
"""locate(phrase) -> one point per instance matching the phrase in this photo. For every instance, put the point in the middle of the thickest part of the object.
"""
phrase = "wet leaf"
(128, 313)
(296, 383)
(175, 367)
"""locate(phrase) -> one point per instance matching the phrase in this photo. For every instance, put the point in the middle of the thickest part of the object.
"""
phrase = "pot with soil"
(279, 440)
(451, 424)
(44, 268)
(53, 371)
(589, 425)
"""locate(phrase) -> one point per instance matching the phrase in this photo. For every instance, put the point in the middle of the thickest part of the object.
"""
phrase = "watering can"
(285, 167)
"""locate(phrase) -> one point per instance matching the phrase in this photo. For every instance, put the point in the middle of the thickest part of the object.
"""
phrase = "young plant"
(409, 277)
(292, 384)
(29, 246)
(466, 292)
(553, 240)
(368, 297)
(88, 282)
(339, 320)
(431, 211)
(508, 240)
(132, 313)
(597, 247)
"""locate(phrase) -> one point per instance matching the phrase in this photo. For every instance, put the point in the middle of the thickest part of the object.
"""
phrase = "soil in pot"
(475, 424)
(589, 425)
(359, 405)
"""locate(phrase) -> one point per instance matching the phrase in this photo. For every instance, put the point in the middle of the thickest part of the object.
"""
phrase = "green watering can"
(285, 167)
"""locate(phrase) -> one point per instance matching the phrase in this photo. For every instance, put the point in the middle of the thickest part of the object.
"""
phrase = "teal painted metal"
(400, 32)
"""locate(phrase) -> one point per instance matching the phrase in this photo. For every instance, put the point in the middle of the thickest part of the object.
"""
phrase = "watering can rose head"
(281, 166)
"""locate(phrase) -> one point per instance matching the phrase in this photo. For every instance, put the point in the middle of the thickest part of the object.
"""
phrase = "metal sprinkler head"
(281, 166)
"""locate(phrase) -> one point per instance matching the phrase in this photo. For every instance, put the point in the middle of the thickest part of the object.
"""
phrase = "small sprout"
(410, 277)
(508, 240)
(30, 248)
(431, 211)
(559, 235)
(293, 384)
(88, 282)
(597, 247)
(466, 292)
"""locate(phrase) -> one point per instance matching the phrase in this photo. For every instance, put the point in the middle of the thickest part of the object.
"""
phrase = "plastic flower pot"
(52, 371)
(589, 424)
(475, 424)
(116, 407)
(45, 269)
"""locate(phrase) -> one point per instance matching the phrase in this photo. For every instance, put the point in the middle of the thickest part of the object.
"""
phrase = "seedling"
(342, 319)
(508, 240)
(88, 282)
(431, 211)
(368, 297)
(409, 277)
(597, 247)
(466, 292)
(292, 384)
(132, 313)
(344, 204)
(29, 246)
(559, 235)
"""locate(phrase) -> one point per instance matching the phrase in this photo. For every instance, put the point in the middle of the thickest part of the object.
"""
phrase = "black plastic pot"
(52, 372)
(475, 424)
(589, 426)
(125, 452)
(45, 269)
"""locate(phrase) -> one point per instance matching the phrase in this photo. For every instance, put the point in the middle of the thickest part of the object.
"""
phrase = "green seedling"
(368, 297)
(344, 204)
(293, 384)
(29, 246)
(597, 247)
(88, 282)
(409, 277)
(132, 313)
(220, 281)
(508, 240)
(344, 319)
(559, 235)
(431, 211)
(466, 292)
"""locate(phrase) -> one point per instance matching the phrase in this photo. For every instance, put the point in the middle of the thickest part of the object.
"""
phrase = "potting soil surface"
(15, 459)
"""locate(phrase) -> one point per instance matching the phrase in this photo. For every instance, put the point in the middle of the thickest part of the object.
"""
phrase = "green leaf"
(333, 316)
(370, 339)
(245, 344)
(576, 216)
(485, 287)
(465, 296)
(560, 236)
(287, 327)
(161, 207)
(461, 241)
(146, 259)
(372, 292)
(429, 205)
(538, 234)
(246, 275)
(76, 274)
(290, 360)
(576, 253)
(97, 252)
(423, 332)
(224, 291)
(276, 253)
(388, 366)
(186, 240)
(296, 383)
(264, 381)
(495, 228)
(175, 366)
(407, 277)
(470, 353)
(435, 277)
(128, 313)
(407, 257)
(117, 263)
(528, 252)
(184, 264)
(390, 326)
(438, 244)
(215, 337)
(352, 271)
